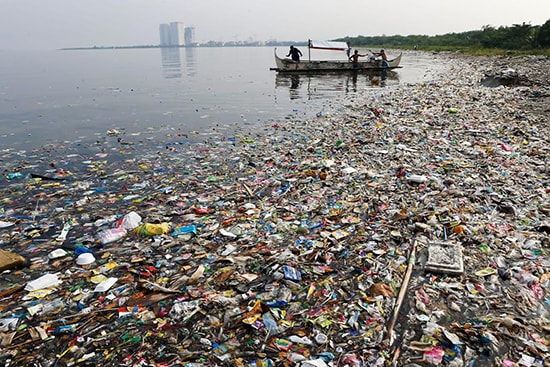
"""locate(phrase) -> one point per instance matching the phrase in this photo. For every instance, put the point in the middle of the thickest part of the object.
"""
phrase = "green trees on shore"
(518, 37)
(542, 36)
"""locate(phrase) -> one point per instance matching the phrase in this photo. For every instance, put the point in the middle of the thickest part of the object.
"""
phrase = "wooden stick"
(248, 190)
(402, 292)
(11, 291)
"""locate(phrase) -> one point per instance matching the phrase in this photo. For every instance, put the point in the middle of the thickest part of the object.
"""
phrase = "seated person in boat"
(294, 53)
(355, 58)
(381, 54)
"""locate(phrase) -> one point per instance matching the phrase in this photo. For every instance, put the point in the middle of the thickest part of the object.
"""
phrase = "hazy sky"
(52, 24)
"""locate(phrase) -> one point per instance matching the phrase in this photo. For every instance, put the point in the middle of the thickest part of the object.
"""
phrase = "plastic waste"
(153, 229)
(85, 259)
(105, 285)
(45, 281)
(111, 235)
(417, 178)
(321, 338)
(57, 253)
(14, 175)
(129, 221)
(293, 245)
(270, 324)
(184, 230)
(300, 340)
(64, 232)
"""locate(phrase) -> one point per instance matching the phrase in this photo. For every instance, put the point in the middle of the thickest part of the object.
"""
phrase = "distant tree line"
(516, 37)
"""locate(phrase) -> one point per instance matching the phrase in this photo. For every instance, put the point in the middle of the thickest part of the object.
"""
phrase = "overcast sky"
(52, 24)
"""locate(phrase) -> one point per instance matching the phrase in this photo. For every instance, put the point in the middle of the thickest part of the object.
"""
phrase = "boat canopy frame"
(326, 45)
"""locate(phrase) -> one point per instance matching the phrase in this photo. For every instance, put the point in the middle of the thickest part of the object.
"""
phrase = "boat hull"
(329, 65)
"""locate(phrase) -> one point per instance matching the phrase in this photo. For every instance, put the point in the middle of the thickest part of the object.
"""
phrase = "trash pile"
(400, 227)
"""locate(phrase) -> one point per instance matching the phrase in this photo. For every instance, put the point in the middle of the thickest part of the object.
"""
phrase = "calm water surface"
(50, 97)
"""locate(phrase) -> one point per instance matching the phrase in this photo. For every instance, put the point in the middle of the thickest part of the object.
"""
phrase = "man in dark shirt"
(294, 53)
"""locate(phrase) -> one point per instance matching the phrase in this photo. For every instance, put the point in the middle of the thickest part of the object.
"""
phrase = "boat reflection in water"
(318, 85)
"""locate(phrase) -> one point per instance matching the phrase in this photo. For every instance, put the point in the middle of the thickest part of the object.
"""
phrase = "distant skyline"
(54, 24)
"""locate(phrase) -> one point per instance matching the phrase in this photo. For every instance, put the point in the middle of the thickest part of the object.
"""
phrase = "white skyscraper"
(176, 34)
(172, 34)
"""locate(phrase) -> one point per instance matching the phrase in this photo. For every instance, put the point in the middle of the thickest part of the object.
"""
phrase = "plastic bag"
(153, 229)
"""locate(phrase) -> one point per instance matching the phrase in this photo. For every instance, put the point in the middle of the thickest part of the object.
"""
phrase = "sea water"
(57, 97)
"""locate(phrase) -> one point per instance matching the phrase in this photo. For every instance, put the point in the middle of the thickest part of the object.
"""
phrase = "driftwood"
(401, 296)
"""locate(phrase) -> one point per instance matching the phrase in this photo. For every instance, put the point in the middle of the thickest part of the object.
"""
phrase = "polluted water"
(405, 227)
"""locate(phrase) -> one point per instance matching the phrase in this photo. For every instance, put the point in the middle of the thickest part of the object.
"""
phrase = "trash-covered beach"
(402, 227)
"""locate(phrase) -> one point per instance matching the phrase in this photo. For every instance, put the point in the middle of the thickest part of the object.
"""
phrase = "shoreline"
(310, 223)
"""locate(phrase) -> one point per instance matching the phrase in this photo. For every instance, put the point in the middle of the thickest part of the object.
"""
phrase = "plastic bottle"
(417, 178)
(270, 324)
(14, 175)
(53, 307)
(300, 340)
(62, 329)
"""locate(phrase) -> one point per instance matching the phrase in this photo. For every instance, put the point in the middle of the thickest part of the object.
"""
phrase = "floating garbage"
(85, 259)
(403, 227)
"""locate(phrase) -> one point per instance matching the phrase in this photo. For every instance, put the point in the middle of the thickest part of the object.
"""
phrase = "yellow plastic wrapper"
(153, 229)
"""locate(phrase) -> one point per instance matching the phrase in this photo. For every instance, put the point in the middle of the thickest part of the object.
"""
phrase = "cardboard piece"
(10, 260)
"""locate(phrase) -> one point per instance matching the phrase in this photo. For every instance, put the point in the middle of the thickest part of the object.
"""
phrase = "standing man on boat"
(355, 59)
(381, 54)
(294, 53)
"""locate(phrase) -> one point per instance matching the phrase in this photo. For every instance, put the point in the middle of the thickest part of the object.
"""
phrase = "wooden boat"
(284, 64)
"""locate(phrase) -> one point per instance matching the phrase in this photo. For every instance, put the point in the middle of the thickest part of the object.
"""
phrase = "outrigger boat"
(371, 63)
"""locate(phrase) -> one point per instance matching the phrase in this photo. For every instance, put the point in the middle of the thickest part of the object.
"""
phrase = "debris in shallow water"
(291, 244)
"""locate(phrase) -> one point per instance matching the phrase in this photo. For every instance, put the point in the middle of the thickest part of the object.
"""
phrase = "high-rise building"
(164, 30)
(176, 34)
(172, 34)
(189, 36)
